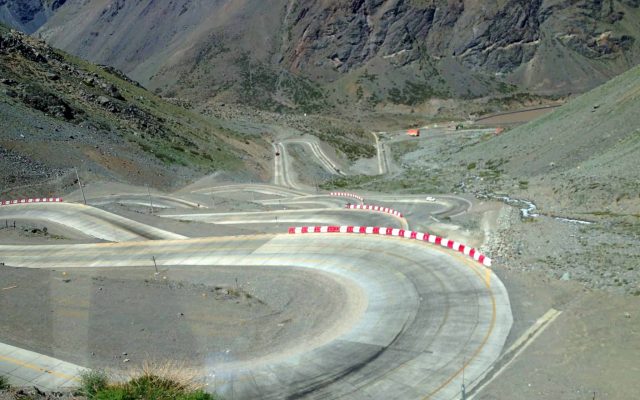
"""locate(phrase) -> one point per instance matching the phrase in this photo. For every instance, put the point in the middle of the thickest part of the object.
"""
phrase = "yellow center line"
(484, 340)
(21, 363)
(231, 240)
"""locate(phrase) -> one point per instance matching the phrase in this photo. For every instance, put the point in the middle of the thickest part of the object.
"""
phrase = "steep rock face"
(372, 51)
(27, 15)
(499, 37)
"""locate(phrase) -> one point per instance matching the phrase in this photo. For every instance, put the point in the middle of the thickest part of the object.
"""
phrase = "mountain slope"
(371, 51)
(27, 15)
(59, 112)
(583, 156)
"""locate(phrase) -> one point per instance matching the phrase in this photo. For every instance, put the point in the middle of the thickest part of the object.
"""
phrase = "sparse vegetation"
(164, 383)
(354, 142)
(412, 181)
(92, 382)
(4, 382)
(265, 88)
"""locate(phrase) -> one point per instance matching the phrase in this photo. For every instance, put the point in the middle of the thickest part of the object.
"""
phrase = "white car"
(431, 199)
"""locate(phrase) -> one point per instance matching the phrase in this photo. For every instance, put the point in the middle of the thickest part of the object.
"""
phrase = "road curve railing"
(33, 200)
(350, 195)
(370, 207)
(376, 230)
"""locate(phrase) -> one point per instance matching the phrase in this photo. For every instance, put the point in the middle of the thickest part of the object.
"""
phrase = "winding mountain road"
(414, 318)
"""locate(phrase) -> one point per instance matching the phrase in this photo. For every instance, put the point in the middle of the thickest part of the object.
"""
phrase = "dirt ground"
(514, 118)
(199, 315)
(590, 349)
(39, 232)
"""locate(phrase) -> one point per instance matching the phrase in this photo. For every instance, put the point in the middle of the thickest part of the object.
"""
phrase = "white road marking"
(520, 345)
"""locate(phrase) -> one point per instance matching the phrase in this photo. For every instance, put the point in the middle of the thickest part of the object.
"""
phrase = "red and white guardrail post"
(31, 201)
(376, 230)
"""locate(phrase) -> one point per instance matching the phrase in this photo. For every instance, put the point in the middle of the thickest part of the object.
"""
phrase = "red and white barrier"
(34, 200)
(374, 208)
(351, 195)
(375, 230)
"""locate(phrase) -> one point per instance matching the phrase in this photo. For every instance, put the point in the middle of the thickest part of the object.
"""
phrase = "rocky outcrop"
(27, 15)
(498, 39)
(396, 51)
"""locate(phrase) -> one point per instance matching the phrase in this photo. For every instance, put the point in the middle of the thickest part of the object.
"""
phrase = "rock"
(49, 103)
(126, 360)
(103, 100)
(566, 276)
(52, 77)
(114, 92)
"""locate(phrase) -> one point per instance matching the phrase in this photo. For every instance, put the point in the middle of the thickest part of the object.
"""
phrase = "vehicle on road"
(431, 198)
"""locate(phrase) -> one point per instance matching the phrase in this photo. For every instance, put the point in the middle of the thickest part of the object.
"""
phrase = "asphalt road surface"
(413, 319)
(327, 316)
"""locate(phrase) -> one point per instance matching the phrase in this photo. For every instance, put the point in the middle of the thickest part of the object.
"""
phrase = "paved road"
(26, 368)
(318, 216)
(382, 155)
(157, 201)
(323, 159)
(416, 318)
(89, 220)
(427, 313)
(282, 167)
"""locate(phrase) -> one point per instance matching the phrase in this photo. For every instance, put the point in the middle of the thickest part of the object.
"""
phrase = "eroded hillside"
(59, 112)
(371, 53)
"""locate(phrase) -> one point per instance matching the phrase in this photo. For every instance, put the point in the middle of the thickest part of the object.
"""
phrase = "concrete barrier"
(351, 195)
(376, 230)
(375, 208)
(30, 201)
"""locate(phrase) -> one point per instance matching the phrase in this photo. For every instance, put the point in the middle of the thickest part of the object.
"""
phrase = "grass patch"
(92, 382)
(355, 143)
(4, 383)
(402, 148)
(165, 382)
(412, 181)
(151, 387)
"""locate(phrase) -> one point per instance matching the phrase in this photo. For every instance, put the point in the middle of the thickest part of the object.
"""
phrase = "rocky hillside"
(309, 54)
(581, 159)
(59, 112)
(27, 15)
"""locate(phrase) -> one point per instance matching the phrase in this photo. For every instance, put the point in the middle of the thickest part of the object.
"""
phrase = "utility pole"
(155, 264)
(80, 184)
(463, 390)
(150, 201)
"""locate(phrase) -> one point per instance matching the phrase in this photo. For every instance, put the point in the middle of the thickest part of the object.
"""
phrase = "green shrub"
(91, 382)
(4, 383)
(146, 386)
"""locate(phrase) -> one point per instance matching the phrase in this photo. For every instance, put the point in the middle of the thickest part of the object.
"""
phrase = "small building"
(413, 132)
